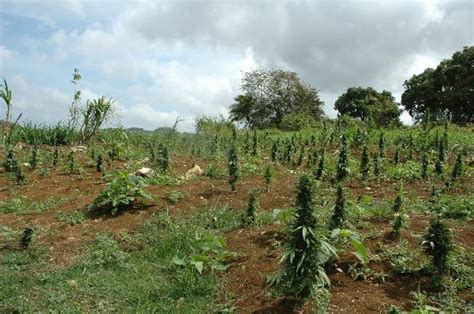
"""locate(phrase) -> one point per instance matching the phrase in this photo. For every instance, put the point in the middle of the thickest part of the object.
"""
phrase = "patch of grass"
(72, 218)
(133, 273)
(175, 196)
(23, 206)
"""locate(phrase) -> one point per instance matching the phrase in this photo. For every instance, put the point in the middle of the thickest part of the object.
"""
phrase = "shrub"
(34, 157)
(319, 172)
(400, 219)
(268, 175)
(457, 169)
(10, 164)
(251, 208)
(297, 121)
(364, 163)
(121, 191)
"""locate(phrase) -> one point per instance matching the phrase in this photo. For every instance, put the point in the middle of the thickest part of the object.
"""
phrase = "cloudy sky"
(160, 59)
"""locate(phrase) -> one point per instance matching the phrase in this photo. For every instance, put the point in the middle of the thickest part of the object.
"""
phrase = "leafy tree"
(271, 95)
(367, 104)
(445, 92)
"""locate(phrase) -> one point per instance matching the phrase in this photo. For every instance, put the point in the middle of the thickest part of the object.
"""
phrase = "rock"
(193, 172)
(145, 172)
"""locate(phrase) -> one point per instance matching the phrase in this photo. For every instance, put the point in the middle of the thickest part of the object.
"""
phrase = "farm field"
(82, 235)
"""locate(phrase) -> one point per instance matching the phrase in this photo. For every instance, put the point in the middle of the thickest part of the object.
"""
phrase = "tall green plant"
(342, 170)
(306, 251)
(233, 166)
(338, 217)
(364, 163)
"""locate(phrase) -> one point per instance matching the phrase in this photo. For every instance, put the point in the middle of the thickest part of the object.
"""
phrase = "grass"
(23, 206)
(126, 273)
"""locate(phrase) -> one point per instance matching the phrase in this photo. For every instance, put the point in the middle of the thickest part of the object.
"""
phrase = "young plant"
(343, 162)
(255, 144)
(34, 157)
(396, 158)
(438, 244)
(164, 160)
(99, 166)
(251, 207)
(439, 166)
(55, 158)
(302, 274)
(121, 191)
(377, 165)
(26, 238)
(381, 146)
(400, 219)
(268, 175)
(457, 169)
(20, 176)
(320, 170)
(338, 217)
(10, 164)
(364, 163)
(424, 166)
(71, 162)
(233, 165)
(275, 152)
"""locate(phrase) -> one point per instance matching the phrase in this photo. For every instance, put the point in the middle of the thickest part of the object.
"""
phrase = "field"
(188, 244)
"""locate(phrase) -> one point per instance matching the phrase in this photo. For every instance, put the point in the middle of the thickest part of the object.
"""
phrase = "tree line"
(280, 99)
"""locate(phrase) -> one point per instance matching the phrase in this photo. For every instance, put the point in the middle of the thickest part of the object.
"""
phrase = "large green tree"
(446, 92)
(367, 104)
(270, 95)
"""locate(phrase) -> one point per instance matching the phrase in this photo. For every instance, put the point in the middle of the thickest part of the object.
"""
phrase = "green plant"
(94, 115)
(457, 169)
(255, 144)
(10, 164)
(400, 218)
(320, 170)
(251, 207)
(71, 162)
(377, 165)
(396, 158)
(233, 165)
(338, 217)
(268, 175)
(20, 176)
(6, 95)
(275, 152)
(122, 190)
(364, 163)
(343, 163)
(26, 238)
(424, 166)
(208, 252)
(164, 159)
(438, 244)
(99, 166)
(55, 158)
(175, 196)
(72, 218)
(302, 274)
(381, 145)
(34, 157)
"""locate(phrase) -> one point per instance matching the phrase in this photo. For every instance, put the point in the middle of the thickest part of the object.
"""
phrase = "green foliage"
(251, 207)
(364, 163)
(342, 170)
(438, 244)
(55, 158)
(72, 218)
(99, 166)
(306, 250)
(34, 157)
(268, 175)
(95, 113)
(233, 165)
(457, 169)
(20, 177)
(275, 151)
(297, 121)
(443, 93)
(10, 164)
(255, 144)
(122, 190)
(23, 206)
(424, 166)
(399, 217)
(175, 196)
(369, 105)
(320, 170)
(71, 162)
(360, 250)
(270, 95)
(382, 145)
(208, 253)
(338, 217)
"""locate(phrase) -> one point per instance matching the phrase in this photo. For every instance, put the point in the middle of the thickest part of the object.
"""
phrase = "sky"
(163, 59)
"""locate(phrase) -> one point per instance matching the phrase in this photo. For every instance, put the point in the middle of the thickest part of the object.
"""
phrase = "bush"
(121, 191)
(297, 121)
